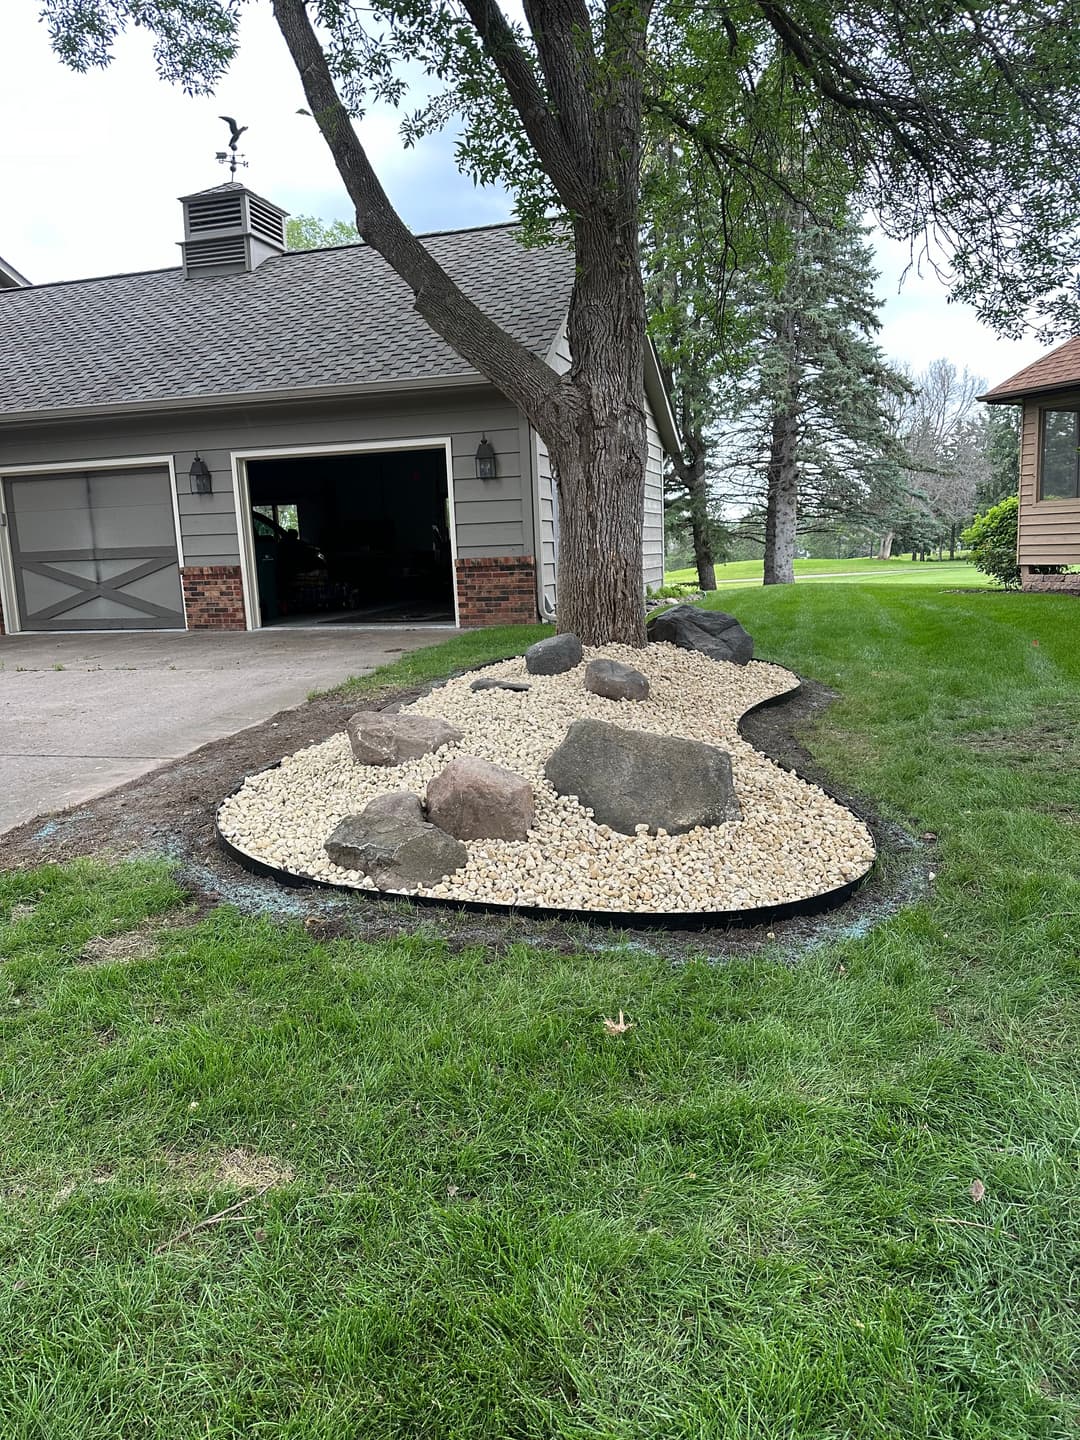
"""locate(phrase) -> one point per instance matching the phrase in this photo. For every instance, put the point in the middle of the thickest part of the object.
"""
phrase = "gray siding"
(493, 517)
(652, 539)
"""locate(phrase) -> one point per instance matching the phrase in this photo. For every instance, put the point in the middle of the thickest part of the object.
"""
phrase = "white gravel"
(793, 841)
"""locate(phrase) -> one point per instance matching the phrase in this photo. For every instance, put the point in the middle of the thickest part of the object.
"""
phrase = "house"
(10, 277)
(1049, 517)
(267, 437)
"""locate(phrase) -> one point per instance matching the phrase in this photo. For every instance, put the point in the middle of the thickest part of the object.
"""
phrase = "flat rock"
(476, 800)
(491, 684)
(629, 778)
(398, 852)
(379, 737)
(615, 681)
(714, 633)
(554, 656)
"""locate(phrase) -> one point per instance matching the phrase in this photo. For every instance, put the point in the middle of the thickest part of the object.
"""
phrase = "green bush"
(992, 540)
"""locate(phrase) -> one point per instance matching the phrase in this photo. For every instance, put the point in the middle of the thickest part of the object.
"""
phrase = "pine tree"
(812, 426)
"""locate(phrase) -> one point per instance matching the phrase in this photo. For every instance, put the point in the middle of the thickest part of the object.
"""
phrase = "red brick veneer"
(213, 597)
(497, 590)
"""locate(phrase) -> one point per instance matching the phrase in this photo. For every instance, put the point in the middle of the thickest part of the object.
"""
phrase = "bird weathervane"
(230, 157)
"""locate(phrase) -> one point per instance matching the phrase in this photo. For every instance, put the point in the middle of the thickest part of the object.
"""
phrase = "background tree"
(1002, 477)
(944, 430)
(811, 430)
(968, 127)
(306, 232)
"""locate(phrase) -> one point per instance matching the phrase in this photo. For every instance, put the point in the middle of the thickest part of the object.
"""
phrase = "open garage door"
(95, 550)
(362, 538)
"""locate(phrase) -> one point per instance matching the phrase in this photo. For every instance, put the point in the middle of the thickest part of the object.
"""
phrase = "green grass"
(749, 1216)
(435, 662)
(861, 571)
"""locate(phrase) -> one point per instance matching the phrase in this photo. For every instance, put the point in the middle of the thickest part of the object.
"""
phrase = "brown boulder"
(476, 800)
(381, 738)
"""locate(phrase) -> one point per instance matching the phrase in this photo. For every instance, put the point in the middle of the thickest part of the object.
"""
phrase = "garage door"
(95, 550)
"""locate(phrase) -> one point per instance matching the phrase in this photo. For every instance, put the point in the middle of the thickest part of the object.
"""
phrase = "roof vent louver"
(229, 230)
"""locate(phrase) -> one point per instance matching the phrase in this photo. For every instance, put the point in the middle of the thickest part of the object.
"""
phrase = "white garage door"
(95, 550)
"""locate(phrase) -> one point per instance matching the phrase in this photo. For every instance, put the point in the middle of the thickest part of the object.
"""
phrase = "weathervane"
(230, 157)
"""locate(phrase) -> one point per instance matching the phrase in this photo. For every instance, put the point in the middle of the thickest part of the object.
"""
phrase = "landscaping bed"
(791, 842)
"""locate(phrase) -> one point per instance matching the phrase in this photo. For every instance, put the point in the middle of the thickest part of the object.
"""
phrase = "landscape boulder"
(402, 804)
(490, 684)
(475, 800)
(379, 737)
(714, 633)
(629, 778)
(553, 656)
(615, 681)
(398, 851)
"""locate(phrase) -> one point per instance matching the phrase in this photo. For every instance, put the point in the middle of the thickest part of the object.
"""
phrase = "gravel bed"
(793, 842)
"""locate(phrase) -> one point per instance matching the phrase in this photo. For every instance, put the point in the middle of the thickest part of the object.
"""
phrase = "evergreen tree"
(811, 415)
(1002, 477)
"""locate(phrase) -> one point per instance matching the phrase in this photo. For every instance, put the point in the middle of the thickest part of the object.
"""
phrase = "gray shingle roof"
(305, 320)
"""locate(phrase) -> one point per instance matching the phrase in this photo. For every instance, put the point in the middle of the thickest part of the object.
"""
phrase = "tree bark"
(885, 548)
(599, 461)
(781, 508)
(690, 469)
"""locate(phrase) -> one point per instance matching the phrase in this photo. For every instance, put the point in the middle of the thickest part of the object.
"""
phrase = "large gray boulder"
(379, 737)
(629, 778)
(396, 848)
(553, 656)
(476, 800)
(615, 681)
(714, 633)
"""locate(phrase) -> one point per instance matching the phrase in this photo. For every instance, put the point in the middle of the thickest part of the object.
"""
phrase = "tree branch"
(558, 153)
(514, 369)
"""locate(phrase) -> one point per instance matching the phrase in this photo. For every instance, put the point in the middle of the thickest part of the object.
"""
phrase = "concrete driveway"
(81, 714)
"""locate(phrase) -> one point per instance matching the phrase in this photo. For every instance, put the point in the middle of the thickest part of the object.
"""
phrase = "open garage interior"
(360, 539)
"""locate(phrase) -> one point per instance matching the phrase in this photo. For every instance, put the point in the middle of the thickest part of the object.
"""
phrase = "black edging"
(612, 919)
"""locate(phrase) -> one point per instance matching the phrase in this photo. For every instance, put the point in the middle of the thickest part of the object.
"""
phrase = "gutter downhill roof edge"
(224, 400)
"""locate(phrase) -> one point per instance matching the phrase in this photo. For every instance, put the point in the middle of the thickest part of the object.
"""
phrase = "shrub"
(992, 540)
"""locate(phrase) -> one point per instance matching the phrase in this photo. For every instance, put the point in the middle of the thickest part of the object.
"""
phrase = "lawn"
(752, 1215)
(941, 573)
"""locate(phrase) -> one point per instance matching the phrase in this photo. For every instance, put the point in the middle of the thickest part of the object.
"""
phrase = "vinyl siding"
(1049, 530)
(491, 515)
(652, 538)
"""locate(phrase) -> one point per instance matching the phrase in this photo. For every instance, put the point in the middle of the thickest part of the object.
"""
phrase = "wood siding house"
(1048, 393)
(268, 437)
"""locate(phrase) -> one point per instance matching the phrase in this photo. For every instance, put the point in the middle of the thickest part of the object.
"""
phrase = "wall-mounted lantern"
(202, 482)
(485, 459)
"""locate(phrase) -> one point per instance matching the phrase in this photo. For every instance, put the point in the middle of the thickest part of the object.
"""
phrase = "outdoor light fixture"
(485, 459)
(202, 482)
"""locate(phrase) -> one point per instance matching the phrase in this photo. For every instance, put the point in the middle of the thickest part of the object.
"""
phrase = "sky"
(91, 167)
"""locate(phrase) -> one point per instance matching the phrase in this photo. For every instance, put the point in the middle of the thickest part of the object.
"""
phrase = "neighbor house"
(1049, 519)
(263, 437)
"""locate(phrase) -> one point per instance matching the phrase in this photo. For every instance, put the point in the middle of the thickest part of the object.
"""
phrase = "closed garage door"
(95, 550)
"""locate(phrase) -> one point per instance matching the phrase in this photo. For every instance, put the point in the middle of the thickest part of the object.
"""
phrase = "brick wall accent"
(213, 597)
(497, 590)
(1067, 584)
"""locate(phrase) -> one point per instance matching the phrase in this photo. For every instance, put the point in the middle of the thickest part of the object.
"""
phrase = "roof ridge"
(285, 254)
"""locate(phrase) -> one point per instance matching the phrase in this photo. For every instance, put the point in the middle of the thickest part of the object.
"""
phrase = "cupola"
(228, 230)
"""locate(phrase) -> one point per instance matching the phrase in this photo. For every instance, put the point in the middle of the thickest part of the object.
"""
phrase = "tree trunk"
(952, 541)
(885, 548)
(781, 509)
(599, 460)
(692, 476)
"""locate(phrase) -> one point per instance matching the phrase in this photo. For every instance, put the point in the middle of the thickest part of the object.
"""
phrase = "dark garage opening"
(358, 539)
